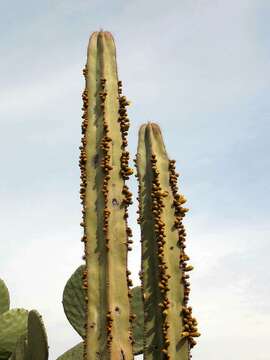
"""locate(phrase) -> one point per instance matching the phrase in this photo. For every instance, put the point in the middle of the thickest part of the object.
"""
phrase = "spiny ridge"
(125, 172)
(159, 227)
(82, 165)
(189, 323)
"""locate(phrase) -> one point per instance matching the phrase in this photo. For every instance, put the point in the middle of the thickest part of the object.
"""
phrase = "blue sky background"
(198, 68)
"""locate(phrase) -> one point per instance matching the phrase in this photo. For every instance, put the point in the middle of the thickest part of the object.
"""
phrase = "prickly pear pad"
(4, 297)
(13, 325)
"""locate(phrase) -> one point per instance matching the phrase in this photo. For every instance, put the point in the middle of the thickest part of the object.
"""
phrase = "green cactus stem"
(74, 301)
(37, 341)
(4, 297)
(75, 310)
(169, 328)
(105, 197)
(13, 325)
(75, 353)
(22, 333)
(20, 351)
(34, 344)
(137, 309)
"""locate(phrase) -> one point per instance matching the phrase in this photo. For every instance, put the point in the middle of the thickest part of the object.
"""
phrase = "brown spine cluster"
(159, 227)
(109, 328)
(123, 119)
(139, 211)
(105, 162)
(139, 221)
(106, 167)
(82, 165)
(125, 172)
(189, 323)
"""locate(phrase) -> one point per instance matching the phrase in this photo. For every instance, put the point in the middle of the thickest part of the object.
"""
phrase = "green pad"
(20, 351)
(74, 301)
(75, 353)
(13, 325)
(137, 309)
(37, 338)
(4, 297)
(74, 307)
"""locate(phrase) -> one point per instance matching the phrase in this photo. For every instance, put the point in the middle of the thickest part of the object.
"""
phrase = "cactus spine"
(105, 197)
(168, 325)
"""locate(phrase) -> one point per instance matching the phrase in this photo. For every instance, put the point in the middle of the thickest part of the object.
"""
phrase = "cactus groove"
(169, 328)
(105, 197)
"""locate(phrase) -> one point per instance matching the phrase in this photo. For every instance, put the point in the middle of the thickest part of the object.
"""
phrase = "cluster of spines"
(82, 165)
(139, 211)
(159, 227)
(139, 221)
(124, 126)
(189, 323)
(105, 161)
(105, 164)
(109, 319)
(125, 172)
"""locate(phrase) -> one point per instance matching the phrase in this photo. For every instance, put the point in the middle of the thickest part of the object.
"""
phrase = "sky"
(198, 68)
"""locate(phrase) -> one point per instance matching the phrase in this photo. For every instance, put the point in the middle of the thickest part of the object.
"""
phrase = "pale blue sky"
(199, 68)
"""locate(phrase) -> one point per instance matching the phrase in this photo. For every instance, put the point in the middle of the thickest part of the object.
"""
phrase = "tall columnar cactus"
(169, 327)
(105, 197)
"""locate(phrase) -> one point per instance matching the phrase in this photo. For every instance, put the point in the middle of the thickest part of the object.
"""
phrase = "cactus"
(22, 333)
(105, 197)
(20, 350)
(114, 320)
(75, 353)
(75, 309)
(74, 301)
(137, 326)
(13, 323)
(37, 342)
(169, 328)
(4, 297)
(34, 343)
